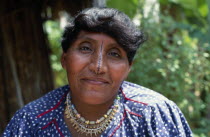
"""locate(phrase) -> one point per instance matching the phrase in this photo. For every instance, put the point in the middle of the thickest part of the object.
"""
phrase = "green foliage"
(127, 6)
(54, 33)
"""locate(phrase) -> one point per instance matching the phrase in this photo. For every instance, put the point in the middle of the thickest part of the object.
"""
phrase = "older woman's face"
(96, 66)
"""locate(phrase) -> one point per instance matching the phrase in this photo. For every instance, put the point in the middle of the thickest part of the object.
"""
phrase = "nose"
(98, 63)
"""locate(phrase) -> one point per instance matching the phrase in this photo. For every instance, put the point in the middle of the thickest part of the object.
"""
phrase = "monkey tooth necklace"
(81, 125)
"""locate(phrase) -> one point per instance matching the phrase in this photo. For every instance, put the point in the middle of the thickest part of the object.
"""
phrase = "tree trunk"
(25, 72)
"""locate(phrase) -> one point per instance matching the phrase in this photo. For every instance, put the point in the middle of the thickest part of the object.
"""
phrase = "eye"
(114, 53)
(85, 48)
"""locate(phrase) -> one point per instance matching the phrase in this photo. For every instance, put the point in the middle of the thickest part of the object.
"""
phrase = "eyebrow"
(86, 38)
(95, 41)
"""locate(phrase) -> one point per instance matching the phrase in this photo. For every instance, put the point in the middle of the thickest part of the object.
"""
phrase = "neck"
(92, 112)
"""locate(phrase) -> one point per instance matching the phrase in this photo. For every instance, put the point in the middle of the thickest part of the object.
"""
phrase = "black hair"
(109, 21)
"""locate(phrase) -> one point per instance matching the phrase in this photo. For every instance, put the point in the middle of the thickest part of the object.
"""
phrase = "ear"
(63, 60)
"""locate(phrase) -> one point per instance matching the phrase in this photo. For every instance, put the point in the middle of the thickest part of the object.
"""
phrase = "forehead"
(96, 37)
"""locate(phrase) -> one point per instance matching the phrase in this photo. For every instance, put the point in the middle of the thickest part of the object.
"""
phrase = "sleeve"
(166, 119)
(20, 125)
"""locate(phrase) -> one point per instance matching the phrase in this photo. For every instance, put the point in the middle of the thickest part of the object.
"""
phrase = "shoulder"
(139, 93)
(36, 113)
(155, 110)
(138, 99)
(46, 102)
(135, 94)
(139, 96)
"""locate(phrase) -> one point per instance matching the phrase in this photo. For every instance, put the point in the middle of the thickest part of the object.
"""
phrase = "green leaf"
(127, 6)
(163, 2)
(203, 10)
(189, 4)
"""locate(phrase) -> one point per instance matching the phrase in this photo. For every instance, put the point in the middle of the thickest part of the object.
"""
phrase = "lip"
(95, 80)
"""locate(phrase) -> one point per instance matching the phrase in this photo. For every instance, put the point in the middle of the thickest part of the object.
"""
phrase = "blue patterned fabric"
(143, 113)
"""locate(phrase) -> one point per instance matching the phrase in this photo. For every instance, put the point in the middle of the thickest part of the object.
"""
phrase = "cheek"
(119, 72)
(74, 68)
(75, 64)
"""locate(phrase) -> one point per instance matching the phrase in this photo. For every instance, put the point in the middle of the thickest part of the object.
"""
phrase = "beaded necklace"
(81, 125)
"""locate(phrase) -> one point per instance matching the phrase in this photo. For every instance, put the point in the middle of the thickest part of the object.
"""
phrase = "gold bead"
(87, 122)
(78, 116)
(115, 110)
(97, 121)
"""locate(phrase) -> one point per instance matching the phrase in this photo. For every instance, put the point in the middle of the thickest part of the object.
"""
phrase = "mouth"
(95, 80)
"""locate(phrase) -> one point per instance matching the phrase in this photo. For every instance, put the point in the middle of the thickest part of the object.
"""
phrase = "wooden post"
(25, 72)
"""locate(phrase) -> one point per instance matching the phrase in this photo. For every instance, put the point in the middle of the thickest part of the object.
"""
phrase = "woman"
(98, 50)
